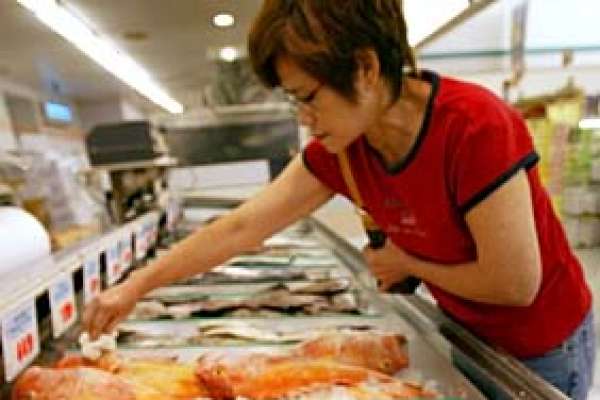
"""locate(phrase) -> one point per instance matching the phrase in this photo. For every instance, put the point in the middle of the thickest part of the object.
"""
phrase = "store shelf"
(434, 341)
(30, 281)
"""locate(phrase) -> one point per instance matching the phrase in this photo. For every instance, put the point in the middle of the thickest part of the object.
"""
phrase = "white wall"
(551, 24)
(483, 31)
(557, 23)
(108, 111)
(539, 82)
(64, 139)
(130, 112)
(219, 175)
(92, 114)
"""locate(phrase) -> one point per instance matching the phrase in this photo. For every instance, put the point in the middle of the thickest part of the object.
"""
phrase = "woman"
(444, 167)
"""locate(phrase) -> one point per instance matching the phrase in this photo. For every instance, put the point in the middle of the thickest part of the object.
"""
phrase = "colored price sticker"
(114, 269)
(62, 304)
(20, 338)
(91, 278)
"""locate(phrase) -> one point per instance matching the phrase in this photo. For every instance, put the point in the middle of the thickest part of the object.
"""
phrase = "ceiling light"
(223, 20)
(115, 61)
(590, 123)
(228, 54)
(135, 36)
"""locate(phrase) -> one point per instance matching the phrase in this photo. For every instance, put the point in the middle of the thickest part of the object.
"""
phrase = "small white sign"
(114, 270)
(91, 278)
(62, 304)
(20, 338)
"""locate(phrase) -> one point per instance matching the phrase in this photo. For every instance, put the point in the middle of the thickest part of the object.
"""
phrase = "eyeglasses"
(306, 100)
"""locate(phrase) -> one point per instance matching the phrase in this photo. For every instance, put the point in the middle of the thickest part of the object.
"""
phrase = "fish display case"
(298, 318)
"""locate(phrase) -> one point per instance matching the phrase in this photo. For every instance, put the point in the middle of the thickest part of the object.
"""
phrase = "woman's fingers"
(88, 314)
(384, 282)
(106, 310)
(99, 323)
(112, 324)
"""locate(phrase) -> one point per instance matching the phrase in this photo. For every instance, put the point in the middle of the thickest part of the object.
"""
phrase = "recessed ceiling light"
(223, 20)
(135, 36)
(228, 54)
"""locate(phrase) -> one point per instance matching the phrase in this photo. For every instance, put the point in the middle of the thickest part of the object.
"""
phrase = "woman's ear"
(368, 71)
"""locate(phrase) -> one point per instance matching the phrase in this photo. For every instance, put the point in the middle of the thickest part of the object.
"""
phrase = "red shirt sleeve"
(324, 166)
(491, 148)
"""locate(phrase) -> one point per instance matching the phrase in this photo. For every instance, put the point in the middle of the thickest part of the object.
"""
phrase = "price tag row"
(19, 326)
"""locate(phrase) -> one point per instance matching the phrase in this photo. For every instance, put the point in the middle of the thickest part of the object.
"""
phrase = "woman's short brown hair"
(323, 37)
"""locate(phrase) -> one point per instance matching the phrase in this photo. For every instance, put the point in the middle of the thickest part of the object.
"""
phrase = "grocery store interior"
(126, 126)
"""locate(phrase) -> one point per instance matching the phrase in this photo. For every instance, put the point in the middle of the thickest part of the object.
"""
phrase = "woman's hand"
(109, 308)
(389, 264)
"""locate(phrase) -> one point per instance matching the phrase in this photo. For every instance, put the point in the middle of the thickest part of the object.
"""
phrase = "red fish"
(110, 377)
(356, 361)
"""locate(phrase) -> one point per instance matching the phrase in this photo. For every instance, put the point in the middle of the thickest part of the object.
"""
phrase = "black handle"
(376, 239)
(409, 285)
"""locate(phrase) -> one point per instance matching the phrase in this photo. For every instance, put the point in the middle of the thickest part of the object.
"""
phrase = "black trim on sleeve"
(526, 162)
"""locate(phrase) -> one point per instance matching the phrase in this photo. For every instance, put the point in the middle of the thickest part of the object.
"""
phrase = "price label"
(20, 338)
(91, 278)
(62, 304)
(126, 252)
(114, 270)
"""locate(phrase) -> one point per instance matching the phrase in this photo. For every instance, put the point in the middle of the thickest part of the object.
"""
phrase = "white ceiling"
(180, 37)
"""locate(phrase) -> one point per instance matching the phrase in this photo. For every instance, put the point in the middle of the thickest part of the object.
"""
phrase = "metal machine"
(134, 158)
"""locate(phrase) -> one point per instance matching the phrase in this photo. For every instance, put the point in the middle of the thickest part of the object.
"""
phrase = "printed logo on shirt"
(404, 221)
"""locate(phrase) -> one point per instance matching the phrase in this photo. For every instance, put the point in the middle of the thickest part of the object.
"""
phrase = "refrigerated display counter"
(305, 283)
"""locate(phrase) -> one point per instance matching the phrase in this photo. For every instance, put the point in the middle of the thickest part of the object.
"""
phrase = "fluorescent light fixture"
(223, 20)
(66, 24)
(590, 123)
(228, 54)
(424, 17)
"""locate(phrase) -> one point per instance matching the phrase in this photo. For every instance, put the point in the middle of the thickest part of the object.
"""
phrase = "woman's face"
(332, 119)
